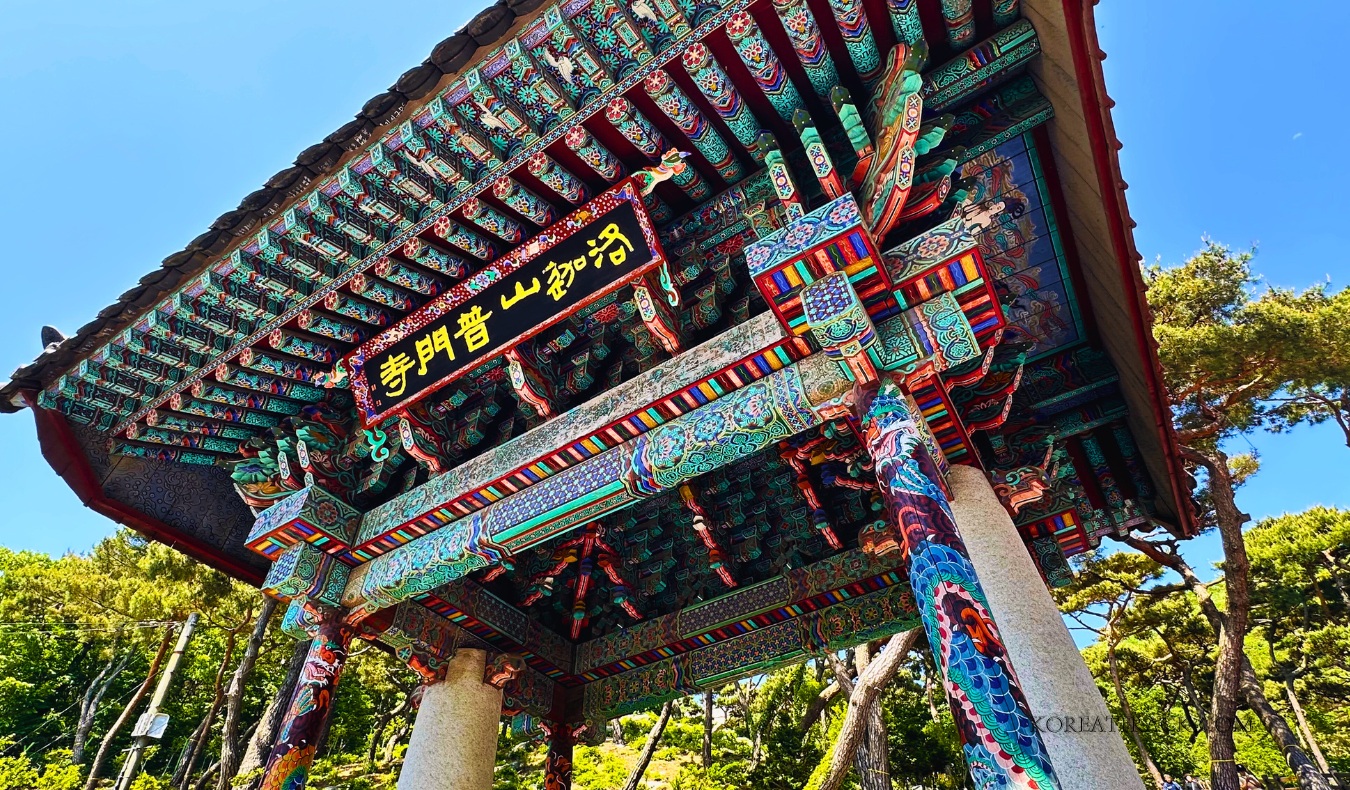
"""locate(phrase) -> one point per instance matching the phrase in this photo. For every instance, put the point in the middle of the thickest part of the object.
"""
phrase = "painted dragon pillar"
(307, 715)
(1003, 748)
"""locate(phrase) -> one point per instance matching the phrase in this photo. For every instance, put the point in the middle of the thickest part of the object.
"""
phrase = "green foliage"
(59, 774)
(597, 767)
(789, 755)
(520, 762)
(1163, 730)
(20, 773)
(1164, 651)
(1165, 648)
(68, 618)
(1301, 558)
(149, 782)
(1237, 356)
(923, 751)
(721, 776)
(17, 773)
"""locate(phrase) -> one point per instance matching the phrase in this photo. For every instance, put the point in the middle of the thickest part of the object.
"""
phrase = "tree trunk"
(1321, 601)
(383, 722)
(648, 749)
(1233, 629)
(817, 706)
(864, 694)
(1335, 570)
(375, 735)
(745, 700)
(1128, 710)
(205, 778)
(93, 697)
(265, 734)
(1194, 696)
(707, 729)
(197, 744)
(181, 777)
(870, 763)
(1309, 778)
(873, 760)
(397, 735)
(1188, 685)
(213, 768)
(616, 731)
(105, 746)
(234, 698)
(928, 695)
(1252, 692)
(1303, 727)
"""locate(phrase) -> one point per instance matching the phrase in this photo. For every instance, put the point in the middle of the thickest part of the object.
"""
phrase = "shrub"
(149, 782)
(17, 773)
(596, 769)
(61, 775)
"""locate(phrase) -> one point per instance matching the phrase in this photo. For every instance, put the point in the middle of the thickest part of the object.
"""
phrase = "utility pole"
(152, 723)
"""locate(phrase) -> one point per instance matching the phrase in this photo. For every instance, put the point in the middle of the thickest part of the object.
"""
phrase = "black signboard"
(603, 245)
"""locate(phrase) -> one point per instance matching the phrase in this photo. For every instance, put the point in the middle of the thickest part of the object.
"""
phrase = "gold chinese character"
(394, 370)
(607, 239)
(473, 327)
(427, 346)
(521, 293)
(561, 275)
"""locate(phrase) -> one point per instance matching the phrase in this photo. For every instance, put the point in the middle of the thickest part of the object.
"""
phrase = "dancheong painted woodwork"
(572, 353)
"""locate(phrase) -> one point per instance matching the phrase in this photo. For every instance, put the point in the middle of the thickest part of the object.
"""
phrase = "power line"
(70, 631)
(130, 623)
(61, 735)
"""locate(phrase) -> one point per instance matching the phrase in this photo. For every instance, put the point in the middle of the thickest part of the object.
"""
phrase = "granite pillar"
(1075, 724)
(454, 740)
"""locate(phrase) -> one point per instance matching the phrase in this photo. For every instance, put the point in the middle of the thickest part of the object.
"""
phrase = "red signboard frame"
(583, 217)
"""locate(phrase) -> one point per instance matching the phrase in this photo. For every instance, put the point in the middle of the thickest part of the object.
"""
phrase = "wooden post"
(1002, 744)
(288, 765)
(143, 727)
(558, 767)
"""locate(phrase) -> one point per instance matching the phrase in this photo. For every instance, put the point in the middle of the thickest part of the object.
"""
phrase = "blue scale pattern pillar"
(1003, 748)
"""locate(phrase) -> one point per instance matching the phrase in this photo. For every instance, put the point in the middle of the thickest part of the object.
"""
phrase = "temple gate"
(626, 350)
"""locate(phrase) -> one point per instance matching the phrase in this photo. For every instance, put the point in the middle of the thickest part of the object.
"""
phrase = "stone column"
(1087, 749)
(1001, 743)
(307, 716)
(454, 740)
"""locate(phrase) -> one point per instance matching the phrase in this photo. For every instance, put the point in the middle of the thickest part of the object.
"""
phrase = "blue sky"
(131, 126)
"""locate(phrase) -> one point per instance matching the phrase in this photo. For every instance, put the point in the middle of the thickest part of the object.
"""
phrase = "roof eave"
(1071, 66)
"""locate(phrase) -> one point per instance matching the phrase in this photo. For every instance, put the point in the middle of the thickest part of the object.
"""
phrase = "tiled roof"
(488, 29)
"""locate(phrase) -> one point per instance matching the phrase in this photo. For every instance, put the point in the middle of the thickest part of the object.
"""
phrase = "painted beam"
(778, 406)
(982, 65)
(843, 576)
(603, 422)
(888, 608)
